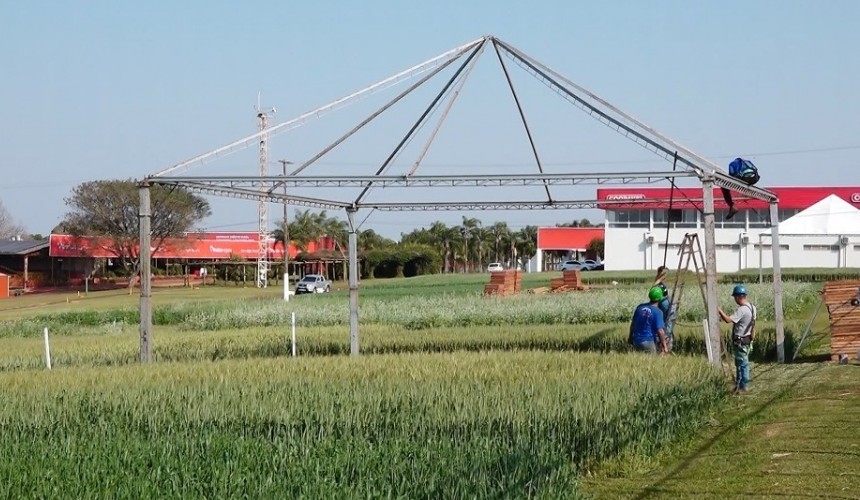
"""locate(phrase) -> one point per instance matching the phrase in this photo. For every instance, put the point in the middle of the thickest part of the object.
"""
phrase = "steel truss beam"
(406, 206)
(401, 181)
(250, 194)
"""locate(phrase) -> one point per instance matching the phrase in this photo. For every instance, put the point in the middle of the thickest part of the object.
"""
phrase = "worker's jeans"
(742, 364)
(648, 346)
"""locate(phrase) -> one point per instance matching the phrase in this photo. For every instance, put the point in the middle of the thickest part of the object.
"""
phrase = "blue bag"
(744, 170)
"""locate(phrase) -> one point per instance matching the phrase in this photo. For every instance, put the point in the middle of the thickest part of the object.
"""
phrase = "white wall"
(627, 249)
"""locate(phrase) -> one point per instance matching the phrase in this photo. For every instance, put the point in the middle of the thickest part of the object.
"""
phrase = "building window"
(758, 218)
(676, 218)
(724, 246)
(739, 220)
(857, 248)
(785, 213)
(822, 248)
(769, 247)
(630, 218)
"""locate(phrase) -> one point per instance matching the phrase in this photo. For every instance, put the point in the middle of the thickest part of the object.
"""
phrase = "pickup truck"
(313, 283)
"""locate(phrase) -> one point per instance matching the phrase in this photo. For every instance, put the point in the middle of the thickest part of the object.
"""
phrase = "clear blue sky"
(120, 90)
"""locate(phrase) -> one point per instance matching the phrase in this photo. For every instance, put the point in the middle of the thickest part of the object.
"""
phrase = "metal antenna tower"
(263, 237)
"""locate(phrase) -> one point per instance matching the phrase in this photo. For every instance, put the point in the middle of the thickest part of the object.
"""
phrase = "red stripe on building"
(567, 238)
(687, 197)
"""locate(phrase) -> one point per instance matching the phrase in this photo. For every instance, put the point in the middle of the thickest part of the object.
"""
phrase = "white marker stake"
(47, 349)
(286, 287)
(707, 338)
(293, 342)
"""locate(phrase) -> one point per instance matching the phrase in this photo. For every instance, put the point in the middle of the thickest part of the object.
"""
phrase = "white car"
(313, 283)
(571, 265)
(495, 266)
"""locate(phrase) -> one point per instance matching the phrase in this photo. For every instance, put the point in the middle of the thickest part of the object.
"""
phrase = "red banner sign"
(193, 246)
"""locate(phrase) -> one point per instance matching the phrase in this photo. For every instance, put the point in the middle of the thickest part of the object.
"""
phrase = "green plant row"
(479, 425)
(409, 312)
(172, 345)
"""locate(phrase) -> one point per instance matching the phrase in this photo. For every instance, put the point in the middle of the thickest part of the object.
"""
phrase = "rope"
(669, 210)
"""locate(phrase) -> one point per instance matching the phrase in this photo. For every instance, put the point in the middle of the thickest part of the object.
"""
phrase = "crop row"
(174, 345)
(410, 312)
(419, 426)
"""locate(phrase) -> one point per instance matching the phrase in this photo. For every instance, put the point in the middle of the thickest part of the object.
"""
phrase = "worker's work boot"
(732, 212)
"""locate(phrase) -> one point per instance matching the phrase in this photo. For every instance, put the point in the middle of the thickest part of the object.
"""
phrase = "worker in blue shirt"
(646, 327)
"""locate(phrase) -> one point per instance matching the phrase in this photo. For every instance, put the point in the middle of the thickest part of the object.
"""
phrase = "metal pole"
(145, 276)
(353, 283)
(760, 259)
(777, 284)
(286, 223)
(711, 272)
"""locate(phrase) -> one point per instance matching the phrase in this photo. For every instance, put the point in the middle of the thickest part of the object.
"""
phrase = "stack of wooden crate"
(504, 283)
(843, 304)
(569, 282)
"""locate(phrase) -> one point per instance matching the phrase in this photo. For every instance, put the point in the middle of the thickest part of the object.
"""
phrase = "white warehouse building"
(819, 227)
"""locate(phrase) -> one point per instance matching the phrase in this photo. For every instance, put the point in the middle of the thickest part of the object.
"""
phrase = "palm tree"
(307, 227)
(482, 235)
(526, 246)
(499, 231)
(446, 237)
(371, 240)
(466, 230)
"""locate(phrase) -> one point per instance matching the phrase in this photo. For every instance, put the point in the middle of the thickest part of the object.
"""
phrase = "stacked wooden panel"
(504, 283)
(570, 281)
(843, 304)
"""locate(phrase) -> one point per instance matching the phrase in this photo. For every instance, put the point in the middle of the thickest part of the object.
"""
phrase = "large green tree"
(110, 209)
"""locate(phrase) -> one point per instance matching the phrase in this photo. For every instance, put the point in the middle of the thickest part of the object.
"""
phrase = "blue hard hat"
(739, 290)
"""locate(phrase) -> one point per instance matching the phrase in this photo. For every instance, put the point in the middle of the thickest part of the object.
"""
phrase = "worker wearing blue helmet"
(743, 334)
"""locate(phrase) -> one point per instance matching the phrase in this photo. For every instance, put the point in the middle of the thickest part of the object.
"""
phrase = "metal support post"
(777, 284)
(145, 276)
(712, 303)
(353, 283)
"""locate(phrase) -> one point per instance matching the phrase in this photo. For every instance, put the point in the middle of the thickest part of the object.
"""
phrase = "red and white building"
(825, 233)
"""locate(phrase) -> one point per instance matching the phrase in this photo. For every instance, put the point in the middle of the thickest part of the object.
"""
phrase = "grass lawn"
(795, 435)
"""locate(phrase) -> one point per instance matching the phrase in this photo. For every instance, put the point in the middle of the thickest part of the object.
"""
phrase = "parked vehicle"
(495, 266)
(313, 283)
(570, 265)
(592, 265)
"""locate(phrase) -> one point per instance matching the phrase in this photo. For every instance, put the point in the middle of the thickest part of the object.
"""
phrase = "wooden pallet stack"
(570, 281)
(843, 304)
(504, 283)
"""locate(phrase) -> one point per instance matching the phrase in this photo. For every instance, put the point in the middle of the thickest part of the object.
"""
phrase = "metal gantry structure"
(266, 188)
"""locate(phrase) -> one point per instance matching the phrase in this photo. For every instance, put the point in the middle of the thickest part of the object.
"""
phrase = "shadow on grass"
(655, 488)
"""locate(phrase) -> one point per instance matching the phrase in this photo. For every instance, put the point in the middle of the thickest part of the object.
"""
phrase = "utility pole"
(263, 236)
(286, 229)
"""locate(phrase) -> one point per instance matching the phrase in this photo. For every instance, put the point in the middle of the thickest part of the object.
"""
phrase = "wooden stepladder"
(690, 252)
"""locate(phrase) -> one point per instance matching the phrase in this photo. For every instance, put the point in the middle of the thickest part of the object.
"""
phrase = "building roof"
(567, 238)
(645, 198)
(21, 247)
(832, 215)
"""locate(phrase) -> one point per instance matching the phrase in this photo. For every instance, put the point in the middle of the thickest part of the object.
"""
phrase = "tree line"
(109, 208)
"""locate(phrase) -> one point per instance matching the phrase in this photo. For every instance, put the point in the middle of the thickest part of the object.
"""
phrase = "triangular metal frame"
(265, 187)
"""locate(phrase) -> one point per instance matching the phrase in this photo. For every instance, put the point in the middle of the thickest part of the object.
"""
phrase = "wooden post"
(353, 284)
(711, 273)
(145, 276)
(777, 283)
